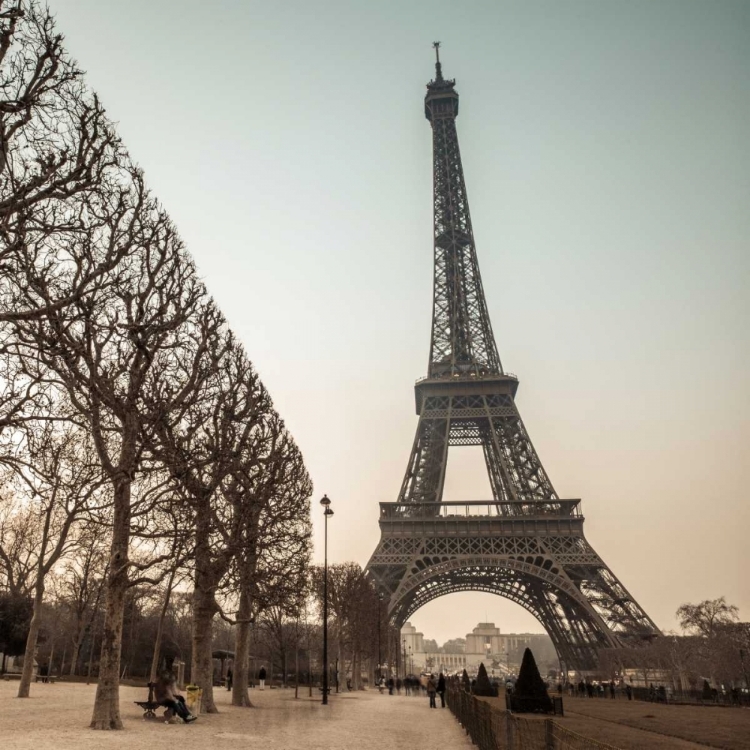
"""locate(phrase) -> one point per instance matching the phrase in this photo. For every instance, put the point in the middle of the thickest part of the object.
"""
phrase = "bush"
(530, 693)
(484, 686)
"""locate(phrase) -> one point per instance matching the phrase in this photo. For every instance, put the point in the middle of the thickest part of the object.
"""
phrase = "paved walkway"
(57, 717)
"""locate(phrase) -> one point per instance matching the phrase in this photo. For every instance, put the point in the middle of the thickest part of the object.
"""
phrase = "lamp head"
(327, 512)
(325, 501)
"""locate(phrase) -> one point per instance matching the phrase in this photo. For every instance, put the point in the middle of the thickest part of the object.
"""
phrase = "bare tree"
(108, 350)
(80, 587)
(353, 602)
(19, 539)
(101, 304)
(273, 559)
(55, 145)
(218, 426)
(56, 474)
(704, 618)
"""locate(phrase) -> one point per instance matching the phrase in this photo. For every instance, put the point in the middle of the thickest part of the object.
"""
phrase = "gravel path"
(57, 717)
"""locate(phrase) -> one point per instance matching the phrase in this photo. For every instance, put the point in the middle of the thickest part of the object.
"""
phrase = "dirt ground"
(57, 717)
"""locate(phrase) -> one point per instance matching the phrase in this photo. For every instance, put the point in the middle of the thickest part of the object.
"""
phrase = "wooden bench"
(149, 706)
(50, 678)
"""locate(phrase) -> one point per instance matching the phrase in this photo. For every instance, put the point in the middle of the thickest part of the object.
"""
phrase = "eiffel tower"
(526, 543)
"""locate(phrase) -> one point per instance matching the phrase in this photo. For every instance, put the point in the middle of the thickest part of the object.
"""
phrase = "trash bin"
(193, 699)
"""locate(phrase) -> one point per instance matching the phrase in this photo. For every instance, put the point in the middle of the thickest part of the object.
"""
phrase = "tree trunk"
(296, 664)
(356, 669)
(107, 702)
(91, 651)
(76, 651)
(31, 640)
(160, 627)
(204, 609)
(51, 664)
(240, 692)
(339, 659)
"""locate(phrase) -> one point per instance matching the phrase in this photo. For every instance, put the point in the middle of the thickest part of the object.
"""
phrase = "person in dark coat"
(431, 691)
(165, 694)
(441, 689)
(262, 678)
(391, 685)
(230, 675)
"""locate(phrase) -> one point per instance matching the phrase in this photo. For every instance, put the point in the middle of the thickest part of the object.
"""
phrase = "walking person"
(441, 689)
(612, 689)
(391, 684)
(230, 675)
(262, 678)
(431, 691)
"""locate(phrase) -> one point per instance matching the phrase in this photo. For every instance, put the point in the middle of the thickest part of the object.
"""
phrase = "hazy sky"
(606, 152)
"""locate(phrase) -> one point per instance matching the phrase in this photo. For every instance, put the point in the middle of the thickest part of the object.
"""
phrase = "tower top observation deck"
(441, 99)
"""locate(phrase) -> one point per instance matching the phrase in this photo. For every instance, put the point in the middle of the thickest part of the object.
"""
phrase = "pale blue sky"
(608, 166)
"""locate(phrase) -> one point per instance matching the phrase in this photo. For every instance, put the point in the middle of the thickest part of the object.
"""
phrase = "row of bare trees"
(714, 647)
(129, 413)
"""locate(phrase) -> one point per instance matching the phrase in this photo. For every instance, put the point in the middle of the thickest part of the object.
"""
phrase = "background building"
(501, 653)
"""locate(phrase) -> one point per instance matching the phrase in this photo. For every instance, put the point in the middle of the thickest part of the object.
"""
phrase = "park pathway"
(56, 718)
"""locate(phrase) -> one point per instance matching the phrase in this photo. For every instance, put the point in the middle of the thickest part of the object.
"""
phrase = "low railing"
(493, 728)
(481, 509)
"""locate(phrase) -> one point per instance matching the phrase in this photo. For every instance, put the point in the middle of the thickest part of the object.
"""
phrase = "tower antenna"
(438, 66)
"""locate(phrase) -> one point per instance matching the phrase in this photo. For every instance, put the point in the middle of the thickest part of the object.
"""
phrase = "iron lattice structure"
(526, 544)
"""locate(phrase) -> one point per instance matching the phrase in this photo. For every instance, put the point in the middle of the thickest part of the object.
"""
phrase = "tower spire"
(438, 66)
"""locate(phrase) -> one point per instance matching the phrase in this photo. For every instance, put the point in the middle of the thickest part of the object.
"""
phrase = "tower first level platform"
(534, 554)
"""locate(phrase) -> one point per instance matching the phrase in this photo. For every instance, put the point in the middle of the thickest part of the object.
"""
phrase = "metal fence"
(492, 728)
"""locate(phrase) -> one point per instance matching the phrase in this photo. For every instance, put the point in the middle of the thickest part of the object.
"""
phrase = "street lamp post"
(380, 652)
(326, 503)
(403, 642)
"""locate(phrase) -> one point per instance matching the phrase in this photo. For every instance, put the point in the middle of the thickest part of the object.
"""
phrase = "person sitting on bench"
(165, 694)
